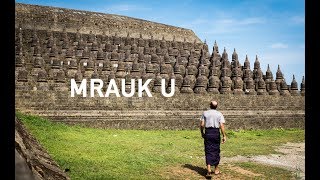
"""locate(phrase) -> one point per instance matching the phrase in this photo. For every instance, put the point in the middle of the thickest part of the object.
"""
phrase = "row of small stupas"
(47, 60)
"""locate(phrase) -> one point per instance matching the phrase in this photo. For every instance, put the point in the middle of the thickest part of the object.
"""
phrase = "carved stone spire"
(258, 74)
(246, 63)
(163, 43)
(120, 70)
(302, 87)
(284, 89)
(250, 87)
(215, 47)
(95, 74)
(54, 49)
(116, 39)
(91, 37)
(34, 38)
(141, 41)
(157, 84)
(178, 76)
(50, 39)
(106, 69)
(22, 79)
(100, 55)
(268, 78)
(234, 55)
(134, 49)
(78, 76)
(237, 83)
(114, 56)
(151, 41)
(279, 78)
(201, 82)
(226, 82)
(273, 89)
(127, 40)
(177, 89)
(149, 75)
(214, 81)
(256, 63)
(261, 87)
(42, 80)
(294, 87)
(224, 54)
(60, 79)
(186, 84)
(95, 44)
(89, 68)
(269, 74)
(135, 72)
(19, 58)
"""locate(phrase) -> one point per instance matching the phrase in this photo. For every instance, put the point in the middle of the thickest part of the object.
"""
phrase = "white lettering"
(98, 88)
(143, 87)
(97, 84)
(83, 87)
(115, 89)
(163, 88)
(123, 88)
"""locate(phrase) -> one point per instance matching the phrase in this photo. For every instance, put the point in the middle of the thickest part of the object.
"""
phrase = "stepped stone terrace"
(54, 45)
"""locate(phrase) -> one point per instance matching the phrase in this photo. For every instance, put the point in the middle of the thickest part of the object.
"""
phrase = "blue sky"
(272, 29)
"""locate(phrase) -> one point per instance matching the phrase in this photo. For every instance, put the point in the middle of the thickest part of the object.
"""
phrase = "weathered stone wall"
(83, 45)
(55, 19)
(32, 159)
(178, 112)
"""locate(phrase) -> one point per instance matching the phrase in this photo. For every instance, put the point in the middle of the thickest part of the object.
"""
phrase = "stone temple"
(54, 45)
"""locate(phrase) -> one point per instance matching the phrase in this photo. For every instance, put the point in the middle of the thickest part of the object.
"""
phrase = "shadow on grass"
(199, 170)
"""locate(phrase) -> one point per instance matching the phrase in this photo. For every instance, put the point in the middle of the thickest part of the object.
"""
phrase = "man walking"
(212, 121)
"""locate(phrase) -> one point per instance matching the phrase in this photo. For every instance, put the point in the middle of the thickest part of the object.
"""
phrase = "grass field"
(157, 154)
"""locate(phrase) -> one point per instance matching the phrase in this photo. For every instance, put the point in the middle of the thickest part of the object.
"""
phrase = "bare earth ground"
(291, 156)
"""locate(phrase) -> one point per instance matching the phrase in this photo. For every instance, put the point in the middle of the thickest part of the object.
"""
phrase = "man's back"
(212, 121)
(212, 118)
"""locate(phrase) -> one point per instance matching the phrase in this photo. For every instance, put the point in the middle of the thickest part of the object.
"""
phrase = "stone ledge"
(134, 113)
(38, 160)
(34, 16)
(191, 123)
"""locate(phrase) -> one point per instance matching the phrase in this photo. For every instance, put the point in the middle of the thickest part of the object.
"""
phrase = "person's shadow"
(199, 170)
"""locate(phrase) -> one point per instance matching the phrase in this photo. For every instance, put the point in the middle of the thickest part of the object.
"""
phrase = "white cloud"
(199, 21)
(225, 25)
(254, 20)
(279, 46)
(245, 21)
(225, 21)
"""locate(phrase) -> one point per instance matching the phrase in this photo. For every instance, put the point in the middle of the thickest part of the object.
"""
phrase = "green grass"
(123, 154)
(257, 142)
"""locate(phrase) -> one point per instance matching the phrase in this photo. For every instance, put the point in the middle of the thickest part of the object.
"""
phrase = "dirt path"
(291, 156)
